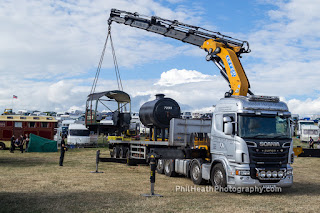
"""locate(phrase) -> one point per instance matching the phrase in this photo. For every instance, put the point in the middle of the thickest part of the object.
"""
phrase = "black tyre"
(127, 153)
(218, 176)
(115, 153)
(121, 152)
(196, 173)
(2, 146)
(169, 168)
(160, 166)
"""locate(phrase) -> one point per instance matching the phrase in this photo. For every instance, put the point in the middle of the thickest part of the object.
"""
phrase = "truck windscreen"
(263, 127)
(79, 132)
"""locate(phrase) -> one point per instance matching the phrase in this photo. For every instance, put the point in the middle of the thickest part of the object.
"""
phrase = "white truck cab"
(251, 140)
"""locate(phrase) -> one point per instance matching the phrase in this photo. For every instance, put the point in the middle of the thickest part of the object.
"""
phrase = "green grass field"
(33, 182)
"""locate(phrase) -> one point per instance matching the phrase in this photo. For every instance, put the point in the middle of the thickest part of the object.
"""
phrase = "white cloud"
(46, 45)
(196, 96)
(175, 76)
(43, 39)
(45, 95)
(291, 34)
(307, 106)
(204, 109)
(65, 94)
(73, 109)
(190, 88)
(59, 92)
(284, 59)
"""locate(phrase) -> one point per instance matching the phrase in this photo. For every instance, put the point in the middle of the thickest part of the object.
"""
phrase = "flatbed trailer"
(174, 155)
(179, 144)
(141, 150)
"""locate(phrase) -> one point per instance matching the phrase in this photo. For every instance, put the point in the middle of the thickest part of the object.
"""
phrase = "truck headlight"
(280, 174)
(269, 174)
(289, 172)
(263, 174)
(274, 174)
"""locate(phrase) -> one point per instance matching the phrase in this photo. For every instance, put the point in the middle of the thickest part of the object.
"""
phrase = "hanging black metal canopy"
(117, 95)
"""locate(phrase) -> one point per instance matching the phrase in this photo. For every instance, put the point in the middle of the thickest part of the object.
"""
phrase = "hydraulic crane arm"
(223, 50)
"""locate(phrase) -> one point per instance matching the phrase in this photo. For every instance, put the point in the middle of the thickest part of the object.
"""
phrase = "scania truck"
(250, 145)
(247, 143)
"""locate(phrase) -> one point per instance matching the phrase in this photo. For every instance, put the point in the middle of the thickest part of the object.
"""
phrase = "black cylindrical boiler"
(159, 112)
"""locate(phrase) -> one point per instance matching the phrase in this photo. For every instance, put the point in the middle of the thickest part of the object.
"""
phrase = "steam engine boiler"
(157, 114)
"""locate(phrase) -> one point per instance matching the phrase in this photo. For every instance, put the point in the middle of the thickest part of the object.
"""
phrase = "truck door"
(229, 143)
(223, 144)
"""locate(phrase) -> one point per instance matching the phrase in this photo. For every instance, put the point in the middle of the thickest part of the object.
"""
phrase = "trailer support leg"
(152, 178)
(97, 162)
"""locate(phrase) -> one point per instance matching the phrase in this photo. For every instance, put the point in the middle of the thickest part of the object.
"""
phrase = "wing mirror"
(228, 127)
(226, 119)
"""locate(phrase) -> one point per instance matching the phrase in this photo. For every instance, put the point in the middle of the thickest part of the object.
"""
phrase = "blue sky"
(50, 51)
(235, 17)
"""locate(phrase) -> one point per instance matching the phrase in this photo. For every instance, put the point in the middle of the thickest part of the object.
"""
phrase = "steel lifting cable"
(116, 67)
(94, 85)
(119, 82)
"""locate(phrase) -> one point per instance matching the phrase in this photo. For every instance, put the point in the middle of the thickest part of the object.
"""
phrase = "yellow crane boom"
(238, 80)
(223, 50)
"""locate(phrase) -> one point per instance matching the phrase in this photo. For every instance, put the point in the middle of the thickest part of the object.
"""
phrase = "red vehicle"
(43, 126)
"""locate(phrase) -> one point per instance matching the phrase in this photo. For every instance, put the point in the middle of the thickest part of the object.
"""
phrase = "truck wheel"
(115, 153)
(2, 146)
(169, 168)
(160, 166)
(218, 176)
(196, 173)
(121, 152)
(127, 153)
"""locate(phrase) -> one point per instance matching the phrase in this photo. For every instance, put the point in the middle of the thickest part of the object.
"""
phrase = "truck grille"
(268, 156)
(264, 156)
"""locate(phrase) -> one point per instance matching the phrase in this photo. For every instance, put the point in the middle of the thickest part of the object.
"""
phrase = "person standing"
(63, 149)
(22, 141)
(311, 141)
(12, 148)
(17, 142)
